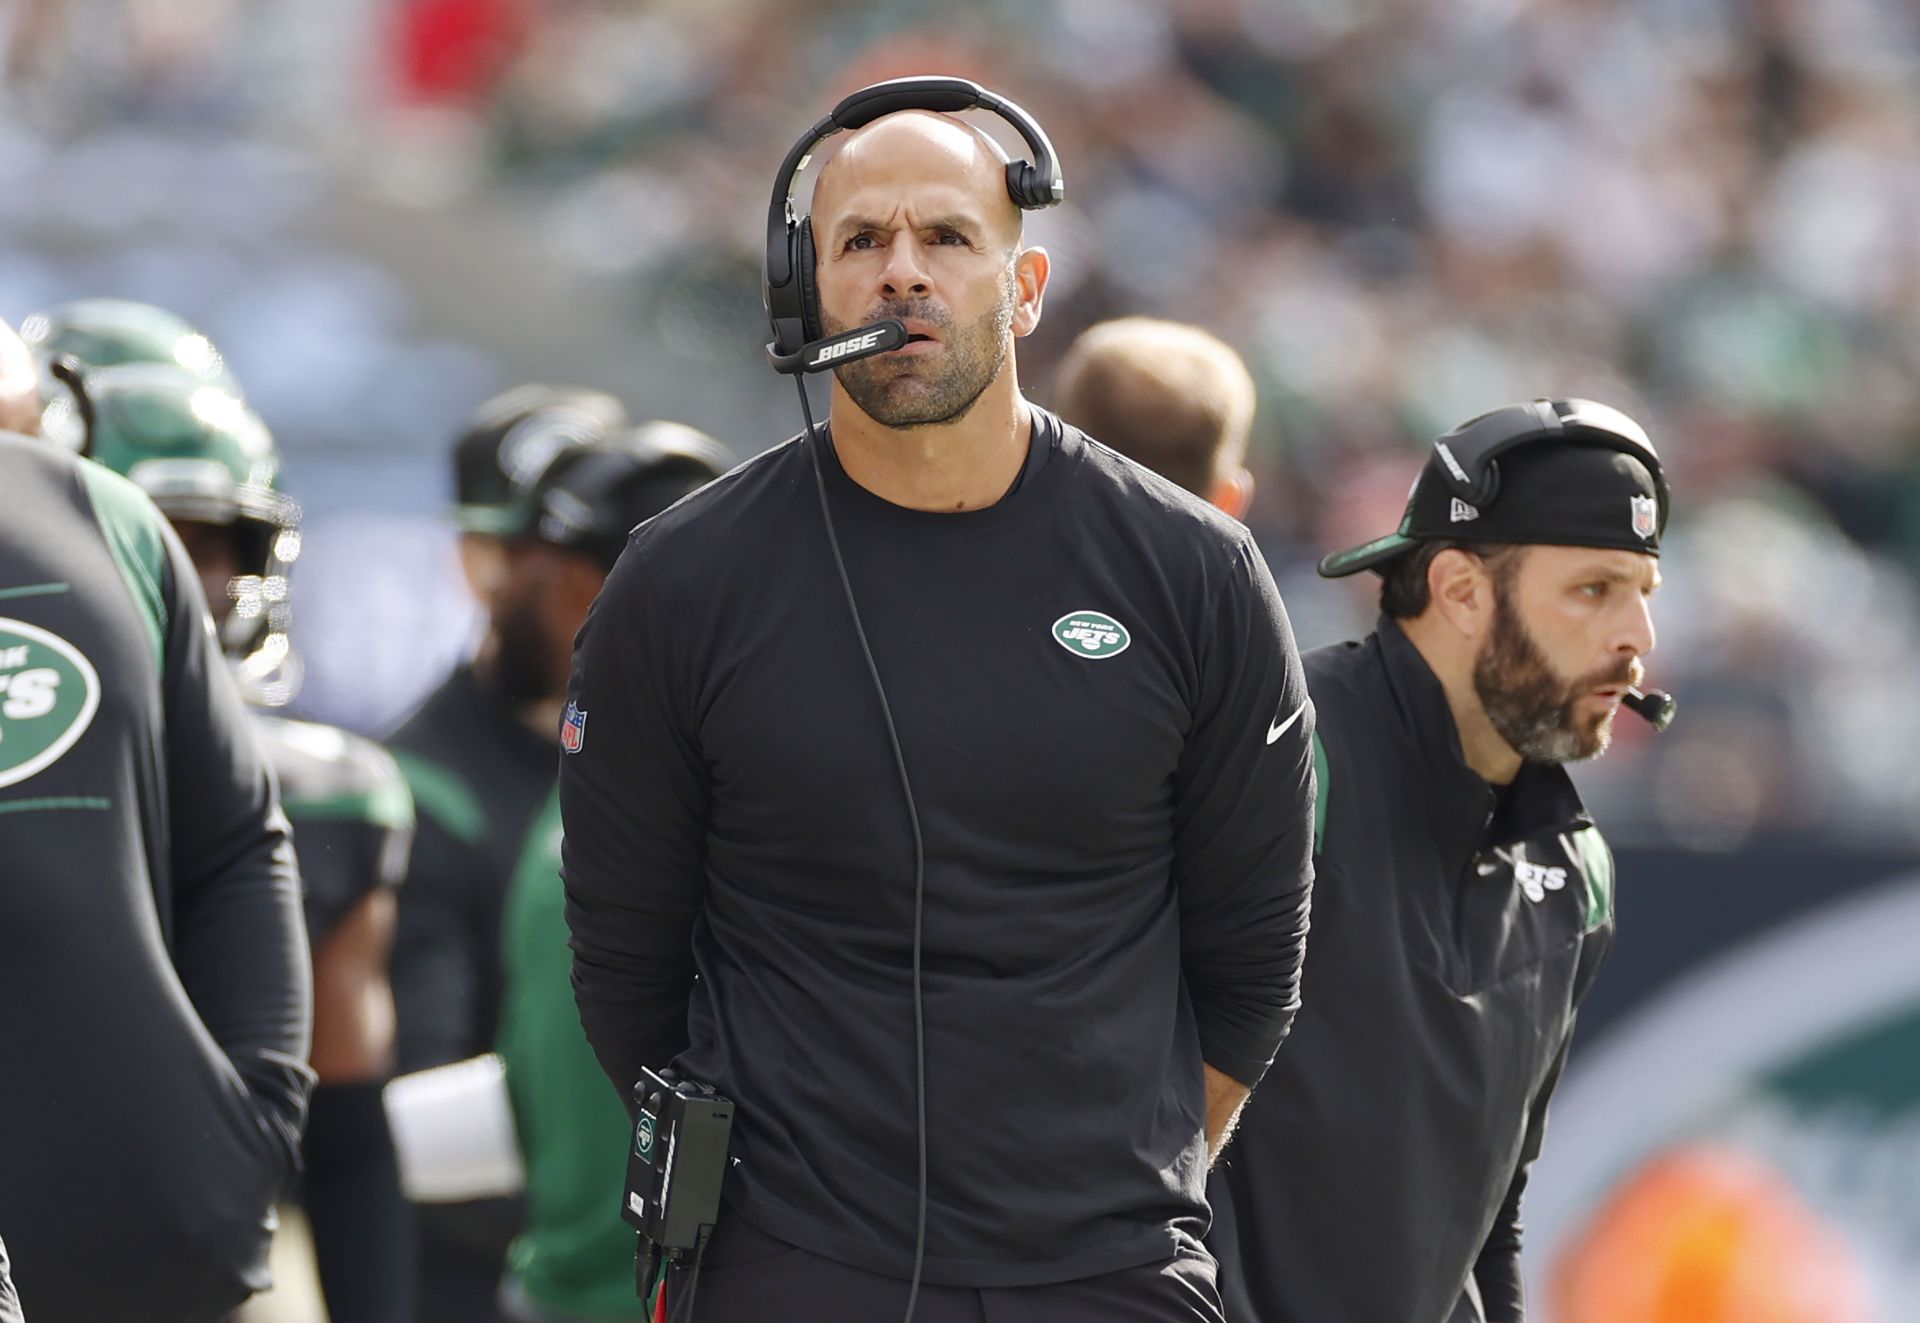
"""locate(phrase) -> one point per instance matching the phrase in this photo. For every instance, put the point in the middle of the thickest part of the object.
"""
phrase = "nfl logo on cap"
(573, 729)
(1646, 517)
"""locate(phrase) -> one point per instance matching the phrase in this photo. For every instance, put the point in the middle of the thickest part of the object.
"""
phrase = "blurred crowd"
(1401, 212)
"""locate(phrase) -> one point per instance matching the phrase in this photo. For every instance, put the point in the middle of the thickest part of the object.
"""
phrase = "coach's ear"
(1463, 592)
(1030, 270)
(1233, 493)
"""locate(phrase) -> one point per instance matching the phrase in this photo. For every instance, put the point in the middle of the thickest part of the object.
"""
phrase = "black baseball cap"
(1566, 472)
(509, 440)
(592, 496)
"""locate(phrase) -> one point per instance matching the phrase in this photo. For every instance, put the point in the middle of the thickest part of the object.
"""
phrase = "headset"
(1469, 460)
(787, 276)
(800, 346)
(1469, 454)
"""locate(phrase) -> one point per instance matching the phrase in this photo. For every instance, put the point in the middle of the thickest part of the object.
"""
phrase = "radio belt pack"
(674, 1172)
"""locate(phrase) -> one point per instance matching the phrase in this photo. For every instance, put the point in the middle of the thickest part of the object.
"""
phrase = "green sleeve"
(383, 801)
(1597, 860)
(440, 794)
(132, 527)
(1319, 794)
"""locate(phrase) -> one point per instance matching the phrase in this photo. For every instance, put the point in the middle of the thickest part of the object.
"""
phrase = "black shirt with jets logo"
(1106, 727)
(1377, 1172)
(154, 987)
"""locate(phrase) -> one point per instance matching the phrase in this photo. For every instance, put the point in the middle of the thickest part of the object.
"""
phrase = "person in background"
(573, 1258)
(154, 964)
(1171, 396)
(211, 466)
(506, 444)
(479, 754)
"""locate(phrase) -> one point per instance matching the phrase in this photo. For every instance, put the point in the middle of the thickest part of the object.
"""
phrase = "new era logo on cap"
(1462, 512)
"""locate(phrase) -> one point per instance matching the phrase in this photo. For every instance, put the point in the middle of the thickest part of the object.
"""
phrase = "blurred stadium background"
(1402, 211)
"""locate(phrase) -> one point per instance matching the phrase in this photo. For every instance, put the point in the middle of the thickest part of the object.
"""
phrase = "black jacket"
(1380, 1164)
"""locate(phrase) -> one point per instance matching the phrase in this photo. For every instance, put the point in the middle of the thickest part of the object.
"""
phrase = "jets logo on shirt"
(1094, 635)
(49, 692)
(1535, 880)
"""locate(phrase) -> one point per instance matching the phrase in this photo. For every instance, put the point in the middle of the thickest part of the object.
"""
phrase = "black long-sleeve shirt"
(154, 987)
(1107, 732)
(1382, 1161)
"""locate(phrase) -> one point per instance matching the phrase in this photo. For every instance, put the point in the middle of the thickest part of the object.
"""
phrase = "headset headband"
(786, 275)
(949, 95)
(1469, 453)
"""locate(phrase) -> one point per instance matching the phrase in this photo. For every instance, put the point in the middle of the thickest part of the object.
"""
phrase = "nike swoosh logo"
(1275, 732)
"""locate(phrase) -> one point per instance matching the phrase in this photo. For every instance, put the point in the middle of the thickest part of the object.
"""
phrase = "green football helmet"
(204, 456)
(98, 333)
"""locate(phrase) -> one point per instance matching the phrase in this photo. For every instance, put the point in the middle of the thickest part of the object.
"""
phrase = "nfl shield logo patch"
(573, 729)
(1646, 518)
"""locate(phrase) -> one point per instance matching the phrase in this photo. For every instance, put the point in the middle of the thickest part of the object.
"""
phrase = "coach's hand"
(1225, 1095)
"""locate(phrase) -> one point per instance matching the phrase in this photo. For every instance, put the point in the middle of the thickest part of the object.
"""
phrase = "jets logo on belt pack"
(49, 692)
(1094, 635)
(573, 729)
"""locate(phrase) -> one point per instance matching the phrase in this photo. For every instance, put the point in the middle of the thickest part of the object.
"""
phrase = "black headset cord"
(813, 443)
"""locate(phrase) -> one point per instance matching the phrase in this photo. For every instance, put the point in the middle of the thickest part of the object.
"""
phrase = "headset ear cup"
(1025, 186)
(1018, 183)
(803, 272)
(1487, 489)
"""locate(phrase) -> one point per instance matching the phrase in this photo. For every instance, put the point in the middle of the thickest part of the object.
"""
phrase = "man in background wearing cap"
(1167, 395)
(573, 1259)
(481, 753)
(478, 754)
(506, 445)
(1464, 898)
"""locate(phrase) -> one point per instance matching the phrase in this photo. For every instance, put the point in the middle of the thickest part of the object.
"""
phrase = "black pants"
(750, 1277)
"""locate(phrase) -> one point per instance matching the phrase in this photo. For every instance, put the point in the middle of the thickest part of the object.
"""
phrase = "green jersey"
(574, 1255)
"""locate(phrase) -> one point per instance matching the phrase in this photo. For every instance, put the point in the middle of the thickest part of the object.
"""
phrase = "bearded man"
(1464, 898)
